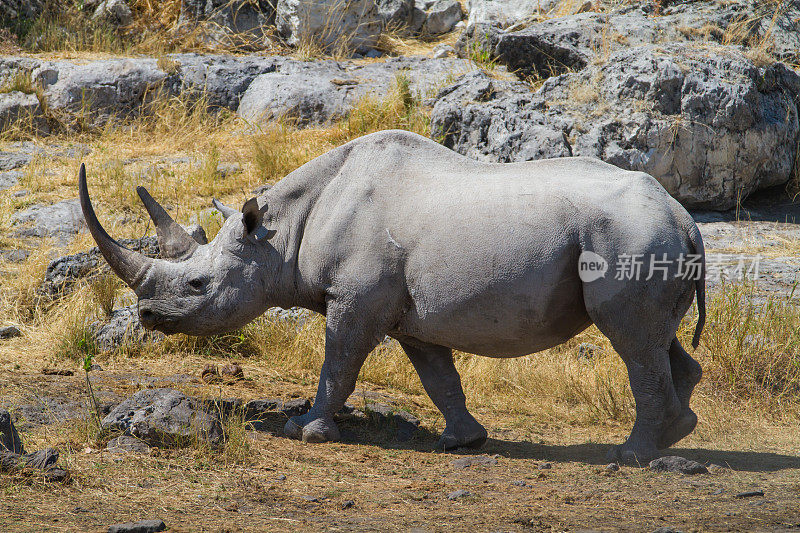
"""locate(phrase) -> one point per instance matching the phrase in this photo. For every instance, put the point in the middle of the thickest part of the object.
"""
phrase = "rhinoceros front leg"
(348, 341)
(439, 376)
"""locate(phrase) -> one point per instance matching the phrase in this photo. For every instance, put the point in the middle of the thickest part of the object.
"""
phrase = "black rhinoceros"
(393, 234)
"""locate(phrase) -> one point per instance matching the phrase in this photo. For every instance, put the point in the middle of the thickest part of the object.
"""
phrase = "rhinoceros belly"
(496, 309)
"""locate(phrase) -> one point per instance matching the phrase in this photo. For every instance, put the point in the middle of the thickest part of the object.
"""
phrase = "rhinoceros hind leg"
(686, 374)
(657, 404)
(439, 376)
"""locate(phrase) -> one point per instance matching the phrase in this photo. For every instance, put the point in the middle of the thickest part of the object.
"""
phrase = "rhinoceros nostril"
(147, 318)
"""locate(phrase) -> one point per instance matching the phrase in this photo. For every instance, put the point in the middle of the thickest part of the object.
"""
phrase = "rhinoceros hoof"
(450, 440)
(632, 455)
(311, 430)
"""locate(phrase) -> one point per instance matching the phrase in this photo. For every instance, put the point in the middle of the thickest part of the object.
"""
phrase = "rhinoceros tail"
(700, 282)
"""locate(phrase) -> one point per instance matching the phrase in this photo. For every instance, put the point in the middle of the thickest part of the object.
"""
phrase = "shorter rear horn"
(173, 241)
(222, 208)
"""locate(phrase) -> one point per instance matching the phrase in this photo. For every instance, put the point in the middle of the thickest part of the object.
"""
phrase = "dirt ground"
(547, 477)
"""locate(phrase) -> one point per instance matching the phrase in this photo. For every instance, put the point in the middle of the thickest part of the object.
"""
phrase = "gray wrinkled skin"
(394, 234)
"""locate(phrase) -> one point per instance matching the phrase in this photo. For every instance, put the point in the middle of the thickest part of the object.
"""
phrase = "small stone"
(127, 444)
(145, 526)
(717, 492)
(9, 438)
(477, 460)
(587, 350)
(164, 417)
(9, 179)
(673, 463)
(116, 12)
(57, 372)
(612, 467)
(519, 483)
(15, 256)
(545, 466)
(41, 459)
(7, 332)
(231, 372)
(443, 50)
(209, 374)
(750, 494)
(312, 499)
(228, 169)
(717, 469)
(348, 504)
(281, 477)
(56, 475)
(460, 493)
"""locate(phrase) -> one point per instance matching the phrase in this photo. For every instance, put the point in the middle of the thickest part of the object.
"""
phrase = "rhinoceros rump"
(393, 234)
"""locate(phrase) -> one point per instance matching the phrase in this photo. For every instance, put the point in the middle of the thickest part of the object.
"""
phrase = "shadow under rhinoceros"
(595, 453)
(379, 432)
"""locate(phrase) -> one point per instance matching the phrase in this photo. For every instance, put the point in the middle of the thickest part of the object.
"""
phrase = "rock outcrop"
(504, 13)
(707, 122)
(330, 25)
(312, 92)
(322, 91)
(567, 43)
(244, 21)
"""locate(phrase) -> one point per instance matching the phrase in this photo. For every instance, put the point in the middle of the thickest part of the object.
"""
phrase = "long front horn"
(127, 264)
(173, 241)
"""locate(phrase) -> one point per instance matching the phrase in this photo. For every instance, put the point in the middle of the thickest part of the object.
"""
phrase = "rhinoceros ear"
(252, 216)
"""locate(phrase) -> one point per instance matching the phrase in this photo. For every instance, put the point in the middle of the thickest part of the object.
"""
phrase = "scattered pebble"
(456, 494)
(311, 499)
(209, 373)
(750, 494)
(7, 332)
(127, 444)
(717, 492)
(673, 463)
(476, 460)
(57, 372)
(587, 350)
(612, 467)
(545, 466)
(145, 526)
(348, 504)
(231, 372)
(227, 169)
(519, 483)
(281, 477)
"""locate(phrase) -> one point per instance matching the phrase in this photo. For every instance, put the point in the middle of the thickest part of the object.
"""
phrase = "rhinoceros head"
(195, 289)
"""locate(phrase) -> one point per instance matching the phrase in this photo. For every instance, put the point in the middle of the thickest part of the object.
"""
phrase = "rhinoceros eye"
(198, 284)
